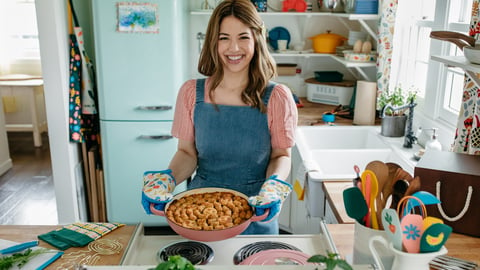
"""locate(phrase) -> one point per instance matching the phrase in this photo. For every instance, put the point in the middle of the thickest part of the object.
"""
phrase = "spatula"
(373, 196)
(434, 237)
(366, 182)
(412, 230)
(429, 221)
(356, 181)
(355, 204)
(391, 225)
(425, 197)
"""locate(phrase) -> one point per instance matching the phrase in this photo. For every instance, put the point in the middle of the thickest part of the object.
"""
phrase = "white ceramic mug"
(403, 260)
(282, 44)
(361, 251)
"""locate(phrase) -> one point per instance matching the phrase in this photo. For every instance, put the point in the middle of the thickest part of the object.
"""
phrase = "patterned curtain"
(386, 23)
(467, 135)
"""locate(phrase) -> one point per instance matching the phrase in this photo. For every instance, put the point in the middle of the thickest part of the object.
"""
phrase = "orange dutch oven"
(213, 235)
(327, 42)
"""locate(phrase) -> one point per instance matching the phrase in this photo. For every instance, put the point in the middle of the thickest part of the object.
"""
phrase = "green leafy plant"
(175, 262)
(331, 261)
(397, 98)
(21, 258)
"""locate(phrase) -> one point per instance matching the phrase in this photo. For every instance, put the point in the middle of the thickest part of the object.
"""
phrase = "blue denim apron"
(233, 144)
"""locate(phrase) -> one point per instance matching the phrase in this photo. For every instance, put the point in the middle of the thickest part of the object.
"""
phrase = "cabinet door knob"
(155, 137)
(154, 108)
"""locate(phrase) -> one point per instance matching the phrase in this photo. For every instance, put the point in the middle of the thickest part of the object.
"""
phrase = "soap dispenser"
(433, 143)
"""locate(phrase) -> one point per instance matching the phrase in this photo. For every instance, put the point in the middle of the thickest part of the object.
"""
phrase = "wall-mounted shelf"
(361, 18)
(461, 62)
(353, 17)
(303, 17)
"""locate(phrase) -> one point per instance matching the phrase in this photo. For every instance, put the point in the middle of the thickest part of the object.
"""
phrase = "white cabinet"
(329, 215)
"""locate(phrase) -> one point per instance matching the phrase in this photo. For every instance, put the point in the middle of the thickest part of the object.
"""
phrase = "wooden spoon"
(414, 186)
(388, 186)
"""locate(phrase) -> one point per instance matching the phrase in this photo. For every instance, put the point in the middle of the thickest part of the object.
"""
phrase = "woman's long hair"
(262, 66)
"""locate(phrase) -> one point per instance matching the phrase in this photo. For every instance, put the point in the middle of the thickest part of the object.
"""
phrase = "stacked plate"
(353, 36)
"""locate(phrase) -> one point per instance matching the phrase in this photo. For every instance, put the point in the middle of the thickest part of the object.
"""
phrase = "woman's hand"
(272, 194)
(157, 189)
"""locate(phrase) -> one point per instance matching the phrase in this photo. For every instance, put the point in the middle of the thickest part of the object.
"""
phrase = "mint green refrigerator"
(140, 56)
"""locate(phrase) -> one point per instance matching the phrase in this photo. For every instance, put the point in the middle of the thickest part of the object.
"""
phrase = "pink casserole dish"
(211, 235)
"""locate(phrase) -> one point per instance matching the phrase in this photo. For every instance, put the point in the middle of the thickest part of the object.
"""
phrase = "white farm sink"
(336, 149)
(340, 137)
(329, 153)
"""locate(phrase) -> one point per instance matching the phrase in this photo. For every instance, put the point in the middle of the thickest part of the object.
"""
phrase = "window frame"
(431, 107)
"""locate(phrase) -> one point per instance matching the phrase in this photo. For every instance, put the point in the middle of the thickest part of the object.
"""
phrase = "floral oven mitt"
(272, 194)
(157, 189)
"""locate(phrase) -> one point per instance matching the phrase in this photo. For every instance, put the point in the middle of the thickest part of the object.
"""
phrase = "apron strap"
(268, 92)
(200, 90)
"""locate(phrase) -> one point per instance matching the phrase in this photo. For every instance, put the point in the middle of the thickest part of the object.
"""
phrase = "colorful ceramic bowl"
(359, 57)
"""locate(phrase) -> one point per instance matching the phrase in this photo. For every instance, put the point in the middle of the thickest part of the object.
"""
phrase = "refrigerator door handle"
(155, 137)
(154, 108)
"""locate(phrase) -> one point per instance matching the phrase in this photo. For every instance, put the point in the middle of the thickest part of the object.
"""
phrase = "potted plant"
(392, 106)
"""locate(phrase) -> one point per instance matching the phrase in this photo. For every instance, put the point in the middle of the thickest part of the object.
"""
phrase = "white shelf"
(301, 54)
(361, 18)
(349, 16)
(457, 61)
(461, 62)
(353, 64)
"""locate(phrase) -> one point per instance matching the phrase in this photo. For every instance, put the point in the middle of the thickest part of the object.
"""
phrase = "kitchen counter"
(458, 245)
(112, 246)
(311, 115)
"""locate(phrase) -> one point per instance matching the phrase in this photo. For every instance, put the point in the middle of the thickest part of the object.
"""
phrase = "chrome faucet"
(410, 138)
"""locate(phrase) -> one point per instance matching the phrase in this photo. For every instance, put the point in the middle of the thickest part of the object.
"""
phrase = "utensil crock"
(403, 260)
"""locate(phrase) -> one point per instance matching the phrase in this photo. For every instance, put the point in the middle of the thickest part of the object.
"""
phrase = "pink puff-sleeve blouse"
(281, 113)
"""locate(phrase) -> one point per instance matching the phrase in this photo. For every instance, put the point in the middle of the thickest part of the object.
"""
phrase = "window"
(440, 87)
(18, 30)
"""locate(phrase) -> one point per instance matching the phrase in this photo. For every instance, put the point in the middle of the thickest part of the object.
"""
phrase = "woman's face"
(236, 45)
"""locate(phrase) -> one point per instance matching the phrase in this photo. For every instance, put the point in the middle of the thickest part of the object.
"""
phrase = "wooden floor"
(27, 195)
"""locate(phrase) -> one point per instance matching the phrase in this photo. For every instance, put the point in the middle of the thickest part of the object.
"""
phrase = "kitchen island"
(114, 245)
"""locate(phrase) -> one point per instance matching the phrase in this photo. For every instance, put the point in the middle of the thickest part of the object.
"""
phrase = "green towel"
(78, 234)
(65, 238)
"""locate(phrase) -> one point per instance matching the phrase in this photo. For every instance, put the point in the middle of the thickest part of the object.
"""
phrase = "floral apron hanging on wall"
(386, 24)
(467, 135)
(83, 116)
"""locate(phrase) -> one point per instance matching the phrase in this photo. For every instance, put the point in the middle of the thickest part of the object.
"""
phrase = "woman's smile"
(236, 45)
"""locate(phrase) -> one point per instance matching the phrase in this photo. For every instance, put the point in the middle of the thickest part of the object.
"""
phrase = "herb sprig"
(21, 258)
(175, 262)
(331, 260)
